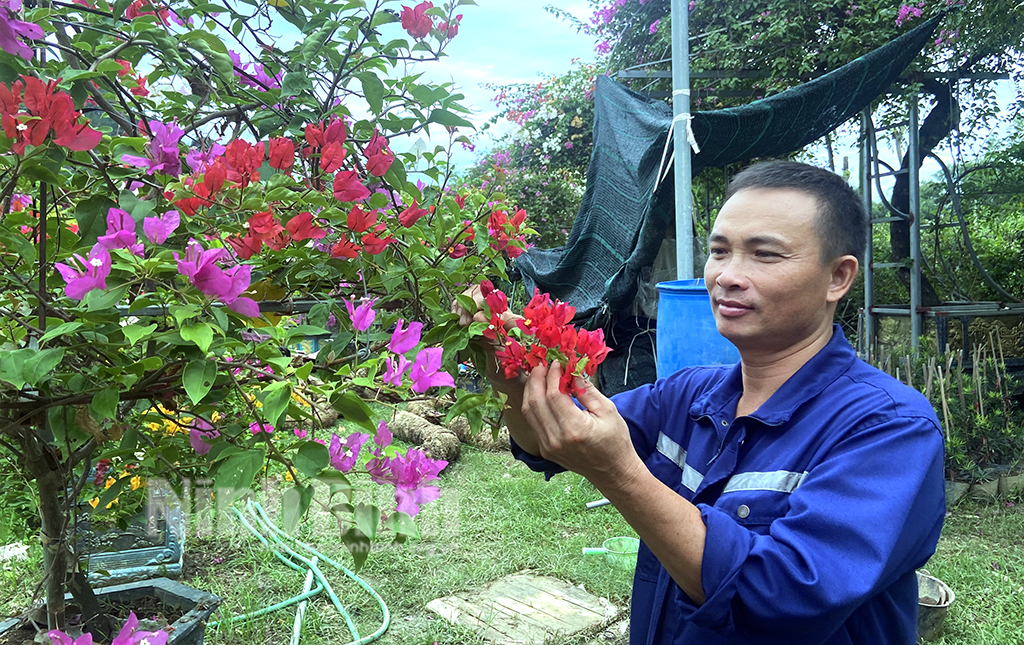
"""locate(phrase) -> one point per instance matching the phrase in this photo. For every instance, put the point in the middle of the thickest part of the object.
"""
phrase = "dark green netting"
(622, 220)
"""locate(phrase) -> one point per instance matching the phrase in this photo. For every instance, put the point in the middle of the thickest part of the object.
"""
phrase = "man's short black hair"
(842, 222)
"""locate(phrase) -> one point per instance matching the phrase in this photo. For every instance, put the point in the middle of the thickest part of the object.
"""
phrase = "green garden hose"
(310, 567)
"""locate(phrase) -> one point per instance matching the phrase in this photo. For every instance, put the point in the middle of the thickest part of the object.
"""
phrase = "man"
(787, 499)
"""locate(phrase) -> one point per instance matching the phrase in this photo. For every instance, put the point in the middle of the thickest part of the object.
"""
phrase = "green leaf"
(97, 300)
(199, 333)
(91, 215)
(311, 458)
(294, 503)
(354, 409)
(275, 401)
(358, 545)
(307, 330)
(296, 83)
(234, 475)
(446, 118)
(104, 404)
(41, 364)
(198, 379)
(367, 517)
(337, 482)
(213, 50)
(303, 372)
(105, 65)
(12, 368)
(313, 43)
(182, 313)
(112, 493)
(402, 524)
(60, 330)
(373, 90)
(467, 402)
(318, 314)
(134, 333)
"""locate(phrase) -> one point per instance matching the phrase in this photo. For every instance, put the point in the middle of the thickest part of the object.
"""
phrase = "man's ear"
(844, 272)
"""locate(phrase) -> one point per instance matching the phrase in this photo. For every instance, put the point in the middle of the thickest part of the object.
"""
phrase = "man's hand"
(593, 442)
(518, 427)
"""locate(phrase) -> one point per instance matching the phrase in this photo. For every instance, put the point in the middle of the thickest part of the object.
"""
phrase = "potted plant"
(183, 197)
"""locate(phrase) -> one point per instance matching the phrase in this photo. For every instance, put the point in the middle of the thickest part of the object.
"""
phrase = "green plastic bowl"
(619, 552)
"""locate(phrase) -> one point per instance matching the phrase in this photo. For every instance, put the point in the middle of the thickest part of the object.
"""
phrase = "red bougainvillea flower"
(411, 215)
(375, 245)
(244, 160)
(512, 358)
(301, 227)
(335, 132)
(264, 226)
(345, 249)
(46, 110)
(244, 247)
(332, 156)
(314, 134)
(416, 21)
(450, 29)
(359, 221)
(348, 188)
(282, 153)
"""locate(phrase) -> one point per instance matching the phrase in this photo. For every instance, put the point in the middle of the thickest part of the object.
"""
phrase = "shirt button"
(724, 422)
(743, 511)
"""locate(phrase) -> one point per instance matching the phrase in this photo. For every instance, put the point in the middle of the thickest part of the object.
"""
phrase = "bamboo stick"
(946, 425)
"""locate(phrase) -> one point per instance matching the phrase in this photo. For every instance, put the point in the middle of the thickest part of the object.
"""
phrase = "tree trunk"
(53, 536)
(935, 127)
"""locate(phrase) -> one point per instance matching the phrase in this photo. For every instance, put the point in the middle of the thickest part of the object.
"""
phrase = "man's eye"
(716, 251)
(766, 254)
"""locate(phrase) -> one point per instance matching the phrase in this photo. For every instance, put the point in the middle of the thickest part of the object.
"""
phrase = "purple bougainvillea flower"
(120, 232)
(11, 29)
(363, 315)
(426, 371)
(199, 160)
(257, 428)
(402, 340)
(198, 435)
(409, 472)
(158, 229)
(395, 369)
(200, 267)
(96, 269)
(164, 155)
(345, 453)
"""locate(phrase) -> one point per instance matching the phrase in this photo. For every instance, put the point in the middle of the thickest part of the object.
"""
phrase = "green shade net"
(625, 212)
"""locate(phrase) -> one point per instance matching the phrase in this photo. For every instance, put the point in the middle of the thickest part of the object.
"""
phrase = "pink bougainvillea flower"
(363, 315)
(450, 29)
(200, 267)
(348, 188)
(300, 433)
(20, 201)
(120, 232)
(378, 164)
(158, 229)
(199, 160)
(164, 155)
(408, 474)
(426, 371)
(198, 437)
(395, 369)
(402, 340)
(345, 453)
(416, 21)
(96, 269)
(12, 29)
(129, 636)
(256, 428)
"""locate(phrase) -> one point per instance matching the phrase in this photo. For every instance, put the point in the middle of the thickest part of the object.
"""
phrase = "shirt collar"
(814, 376)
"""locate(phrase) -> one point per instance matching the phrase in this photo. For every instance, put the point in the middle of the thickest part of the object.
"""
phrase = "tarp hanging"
(623, 217)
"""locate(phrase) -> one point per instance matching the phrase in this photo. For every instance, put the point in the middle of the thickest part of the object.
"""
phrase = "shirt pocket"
(754, 509)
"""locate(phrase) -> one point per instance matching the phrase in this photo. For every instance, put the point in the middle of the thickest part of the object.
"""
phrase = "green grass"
(495, 517)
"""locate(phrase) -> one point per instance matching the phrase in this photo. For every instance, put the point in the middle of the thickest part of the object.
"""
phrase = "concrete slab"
(527, 608)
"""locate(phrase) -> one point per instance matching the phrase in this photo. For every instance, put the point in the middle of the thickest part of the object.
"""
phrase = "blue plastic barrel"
(687, 334)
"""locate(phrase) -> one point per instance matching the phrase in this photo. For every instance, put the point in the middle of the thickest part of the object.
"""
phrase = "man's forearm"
(670, 525)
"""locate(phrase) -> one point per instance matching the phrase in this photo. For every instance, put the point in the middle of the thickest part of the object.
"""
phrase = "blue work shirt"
(819, 506)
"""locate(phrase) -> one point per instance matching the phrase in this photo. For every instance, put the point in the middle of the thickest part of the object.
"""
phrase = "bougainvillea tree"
(187, 191)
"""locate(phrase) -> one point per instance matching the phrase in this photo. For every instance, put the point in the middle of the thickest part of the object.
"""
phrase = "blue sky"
(508, 41)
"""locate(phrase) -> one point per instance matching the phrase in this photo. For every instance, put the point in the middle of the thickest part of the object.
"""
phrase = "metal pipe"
(914, 157)
(680, 141)
(869, 278)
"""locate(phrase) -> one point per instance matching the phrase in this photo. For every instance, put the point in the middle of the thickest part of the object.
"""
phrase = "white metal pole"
(681, 144)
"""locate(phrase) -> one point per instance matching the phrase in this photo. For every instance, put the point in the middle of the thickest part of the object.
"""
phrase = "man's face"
(769, 290)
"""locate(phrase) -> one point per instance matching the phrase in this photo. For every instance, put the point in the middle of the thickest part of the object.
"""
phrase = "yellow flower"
(136, 482)
(215, 417)
(298, 399)
(109, 483)
(154, 426)
(94, 501)
(288, 476)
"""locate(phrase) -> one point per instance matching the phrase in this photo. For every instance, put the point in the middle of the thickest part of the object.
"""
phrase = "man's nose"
(731, 273)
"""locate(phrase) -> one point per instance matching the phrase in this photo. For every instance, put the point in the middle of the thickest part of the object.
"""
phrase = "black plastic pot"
(187, 630)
